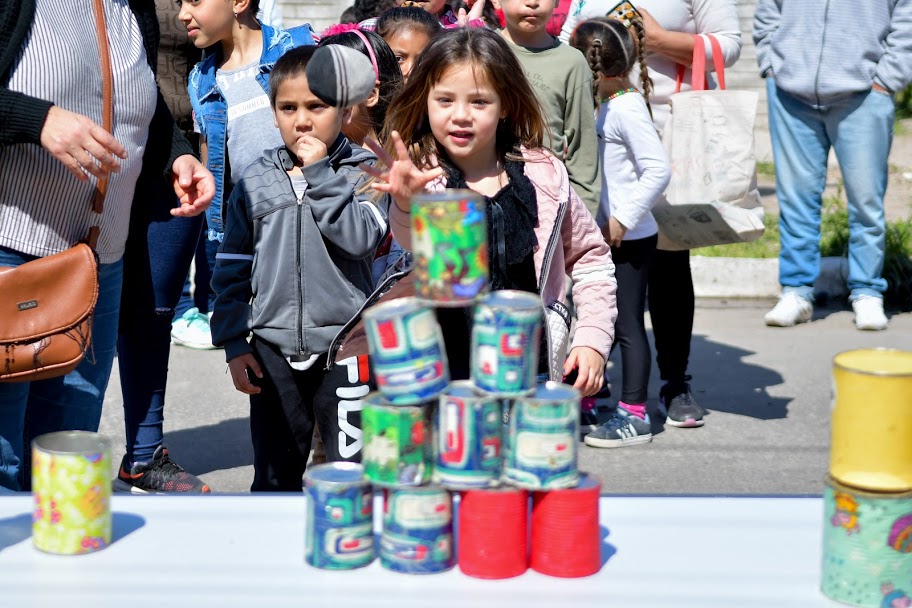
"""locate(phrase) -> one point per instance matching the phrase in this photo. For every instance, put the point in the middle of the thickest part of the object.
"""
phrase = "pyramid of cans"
(498, 440)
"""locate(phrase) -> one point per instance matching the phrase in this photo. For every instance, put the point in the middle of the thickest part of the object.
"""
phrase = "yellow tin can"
(71, 485)
(871, 445)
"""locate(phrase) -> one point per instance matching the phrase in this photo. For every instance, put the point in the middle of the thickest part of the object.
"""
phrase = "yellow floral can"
(871, 445)
(71, 487)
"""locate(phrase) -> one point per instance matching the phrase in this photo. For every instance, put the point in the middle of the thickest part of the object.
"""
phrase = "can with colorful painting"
(506, 336)
(71, 486)
(468, 428)
(867, 546)
(417, 535)
(450, 247)
(397, 443)
(541, 446)
(339, 527)
(406, 351)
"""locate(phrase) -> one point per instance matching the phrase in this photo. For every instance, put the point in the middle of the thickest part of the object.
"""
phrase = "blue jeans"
(157, 258)
(860, 130)
(66, 403)
(202, 297)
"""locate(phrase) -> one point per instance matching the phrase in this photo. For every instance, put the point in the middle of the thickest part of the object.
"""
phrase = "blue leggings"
(156, 262)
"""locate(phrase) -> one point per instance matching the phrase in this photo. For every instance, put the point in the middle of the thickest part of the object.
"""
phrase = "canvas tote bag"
(712, 198)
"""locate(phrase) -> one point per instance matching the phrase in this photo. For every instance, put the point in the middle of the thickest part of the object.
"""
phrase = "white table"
(225, 551)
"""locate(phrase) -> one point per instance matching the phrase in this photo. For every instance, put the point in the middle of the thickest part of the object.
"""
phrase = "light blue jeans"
(860, 129)
(66, 403)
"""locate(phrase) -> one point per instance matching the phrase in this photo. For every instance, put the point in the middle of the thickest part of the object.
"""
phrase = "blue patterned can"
(406, 351)
(417, 535)
(339, 530)
(468, 427)
(541, 447)
(505, 342)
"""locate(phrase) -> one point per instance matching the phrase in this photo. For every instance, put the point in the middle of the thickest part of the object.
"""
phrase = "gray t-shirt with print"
(251, 127)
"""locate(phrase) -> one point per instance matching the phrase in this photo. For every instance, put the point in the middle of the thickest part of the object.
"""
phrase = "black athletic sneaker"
(682, 409)
(159, 476)
(588, 422)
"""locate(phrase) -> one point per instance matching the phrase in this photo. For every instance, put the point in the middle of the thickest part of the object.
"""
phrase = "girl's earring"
(235, 14)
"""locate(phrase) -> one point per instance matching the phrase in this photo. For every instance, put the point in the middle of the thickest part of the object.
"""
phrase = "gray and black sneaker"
(620, 431)
(682, 409)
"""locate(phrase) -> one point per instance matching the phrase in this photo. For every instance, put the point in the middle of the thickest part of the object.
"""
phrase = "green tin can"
(398, 448)
(867, 547)
(417, 536)
(450, 247)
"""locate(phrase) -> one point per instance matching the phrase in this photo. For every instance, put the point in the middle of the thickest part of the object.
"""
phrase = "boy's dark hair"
(404, 18)
(368, 9)
(293, 63)
(349, 15)
(613, 49)
(390, 76)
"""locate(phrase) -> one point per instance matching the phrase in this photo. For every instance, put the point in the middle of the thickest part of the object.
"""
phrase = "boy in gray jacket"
(832, 67)
(293, 268)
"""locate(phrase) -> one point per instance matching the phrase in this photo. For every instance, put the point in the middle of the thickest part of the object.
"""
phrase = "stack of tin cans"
(490, 439)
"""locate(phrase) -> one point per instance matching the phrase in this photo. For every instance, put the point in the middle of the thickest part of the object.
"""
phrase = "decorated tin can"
(467, 438)
(542, 435)
(406, 351)
(340, 524)
(397, 443)
(450, 247)
(867, 546)
(506, 335)
(71, 486)
(417, 535)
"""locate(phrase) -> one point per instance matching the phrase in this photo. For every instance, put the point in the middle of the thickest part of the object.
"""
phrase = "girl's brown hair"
(610, 49)
(492, 60)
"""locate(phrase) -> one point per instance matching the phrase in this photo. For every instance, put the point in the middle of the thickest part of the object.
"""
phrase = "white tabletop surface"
(226, 551)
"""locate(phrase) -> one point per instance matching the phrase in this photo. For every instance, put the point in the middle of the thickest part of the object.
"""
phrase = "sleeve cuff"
(236, 347)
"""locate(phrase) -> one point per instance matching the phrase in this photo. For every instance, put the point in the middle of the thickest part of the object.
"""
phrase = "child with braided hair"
(635, 173)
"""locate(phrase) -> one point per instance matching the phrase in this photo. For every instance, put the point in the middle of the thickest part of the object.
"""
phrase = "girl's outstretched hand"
(590, 368)
(401, 179)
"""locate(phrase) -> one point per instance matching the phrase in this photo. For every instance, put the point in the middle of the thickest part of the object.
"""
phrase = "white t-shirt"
(717, 17)
(635, 166)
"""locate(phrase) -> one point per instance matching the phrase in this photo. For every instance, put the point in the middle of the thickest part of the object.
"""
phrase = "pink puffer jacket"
(569, 243)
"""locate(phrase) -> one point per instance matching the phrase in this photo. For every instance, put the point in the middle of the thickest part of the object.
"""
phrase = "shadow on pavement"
(725, 382)
(215, 447)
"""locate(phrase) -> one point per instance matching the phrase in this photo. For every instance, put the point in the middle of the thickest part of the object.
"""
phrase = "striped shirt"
(44, 209)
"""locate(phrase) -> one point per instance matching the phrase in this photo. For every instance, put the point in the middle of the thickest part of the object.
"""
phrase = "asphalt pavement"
(769, 391)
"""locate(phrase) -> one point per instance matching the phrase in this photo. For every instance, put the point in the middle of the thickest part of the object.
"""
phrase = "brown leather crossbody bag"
(46, 305)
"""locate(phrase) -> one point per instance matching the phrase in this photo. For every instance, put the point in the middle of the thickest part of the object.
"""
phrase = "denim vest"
(210, 109)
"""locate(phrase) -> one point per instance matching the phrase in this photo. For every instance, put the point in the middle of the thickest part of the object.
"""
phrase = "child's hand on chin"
(310, 149)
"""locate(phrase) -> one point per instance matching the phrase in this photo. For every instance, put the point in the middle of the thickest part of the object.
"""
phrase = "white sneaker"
(790, 310)
(869, 313)
(192, 330)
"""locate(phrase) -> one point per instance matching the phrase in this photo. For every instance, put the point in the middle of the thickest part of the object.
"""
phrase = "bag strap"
(107, 110)
(698, 66)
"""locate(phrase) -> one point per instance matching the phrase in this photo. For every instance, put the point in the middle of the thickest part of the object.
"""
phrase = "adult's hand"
(677, 46)
(80, 144)
(193, 184)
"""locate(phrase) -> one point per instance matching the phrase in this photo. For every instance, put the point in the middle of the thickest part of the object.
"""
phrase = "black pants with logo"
(283, 415)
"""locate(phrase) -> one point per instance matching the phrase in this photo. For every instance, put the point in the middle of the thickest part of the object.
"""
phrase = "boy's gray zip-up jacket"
(293, 271)
(823, 50)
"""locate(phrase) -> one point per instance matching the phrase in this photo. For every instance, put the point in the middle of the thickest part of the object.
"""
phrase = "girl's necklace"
(618, 94)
